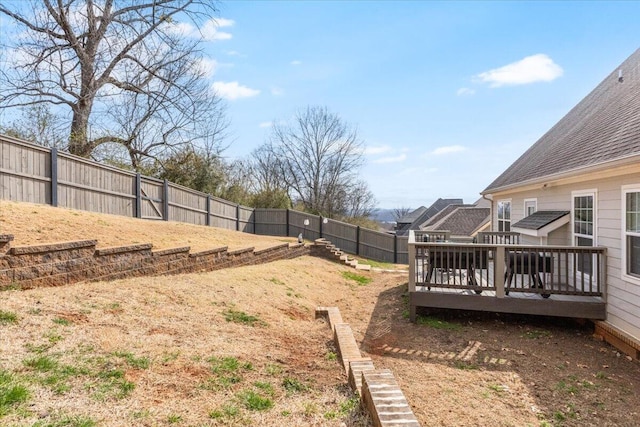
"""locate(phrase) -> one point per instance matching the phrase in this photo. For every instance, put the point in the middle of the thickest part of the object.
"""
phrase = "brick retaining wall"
(379, 392)
(71, 262)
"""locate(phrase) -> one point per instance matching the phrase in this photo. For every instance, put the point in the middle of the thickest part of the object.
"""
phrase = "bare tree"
(124, 69)
(38, 124)
(318, 156)
(360, 201)
(400, 212)
(264, 170)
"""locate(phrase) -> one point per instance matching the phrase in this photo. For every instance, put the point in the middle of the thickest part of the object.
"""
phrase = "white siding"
(623, 297)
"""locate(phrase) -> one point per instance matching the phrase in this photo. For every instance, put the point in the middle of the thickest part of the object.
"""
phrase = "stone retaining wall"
(71, 262)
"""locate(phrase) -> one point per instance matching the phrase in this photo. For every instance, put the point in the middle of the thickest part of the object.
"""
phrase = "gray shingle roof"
(432, 210)
(463, 221)
(411, 216)
(539, 219)
(443, 213)
(604, 126)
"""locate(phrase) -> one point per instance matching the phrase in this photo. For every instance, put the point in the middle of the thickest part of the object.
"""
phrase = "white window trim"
(524, 205)
(510, 213)
(632, 188)
(574, 194)
(594, 237)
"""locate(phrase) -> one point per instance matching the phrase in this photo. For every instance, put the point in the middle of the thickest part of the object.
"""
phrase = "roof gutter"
(598, 167)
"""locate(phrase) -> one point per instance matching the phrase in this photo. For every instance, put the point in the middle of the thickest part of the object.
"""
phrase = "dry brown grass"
(144, 351)
(33, 224)
(178, 324)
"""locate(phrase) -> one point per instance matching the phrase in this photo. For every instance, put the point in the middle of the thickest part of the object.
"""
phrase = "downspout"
(490, 209)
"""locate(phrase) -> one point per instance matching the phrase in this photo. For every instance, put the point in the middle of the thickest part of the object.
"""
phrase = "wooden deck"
(521, 279)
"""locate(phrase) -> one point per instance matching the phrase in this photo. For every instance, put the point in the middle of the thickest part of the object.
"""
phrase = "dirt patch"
(469, 368)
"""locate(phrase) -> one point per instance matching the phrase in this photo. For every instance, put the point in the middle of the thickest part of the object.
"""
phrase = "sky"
(444, 95)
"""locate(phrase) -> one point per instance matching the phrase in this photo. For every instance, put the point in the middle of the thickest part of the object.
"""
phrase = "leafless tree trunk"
(318, 157)
(400, 212)
(110, 62)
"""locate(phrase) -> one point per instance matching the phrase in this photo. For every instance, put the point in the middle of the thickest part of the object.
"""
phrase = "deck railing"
(545, 270)
(432, 236)
(499, 237)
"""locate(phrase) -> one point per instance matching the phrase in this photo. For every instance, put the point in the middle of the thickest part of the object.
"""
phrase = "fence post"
(287, 222)
(54, 177)
(499, 257)
(208, 221)
(138, 195)
(395, 248)
(321, 226)
(237, 217)
(358, 240)
(165, 200)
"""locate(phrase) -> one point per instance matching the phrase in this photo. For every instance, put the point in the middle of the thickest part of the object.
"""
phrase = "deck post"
(412, 262)
(412, 274)
(498, 269)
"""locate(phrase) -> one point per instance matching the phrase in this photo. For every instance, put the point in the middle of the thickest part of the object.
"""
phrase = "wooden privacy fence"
(35, 174)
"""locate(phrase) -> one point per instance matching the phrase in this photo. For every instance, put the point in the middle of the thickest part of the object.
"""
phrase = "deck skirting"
(594, 308)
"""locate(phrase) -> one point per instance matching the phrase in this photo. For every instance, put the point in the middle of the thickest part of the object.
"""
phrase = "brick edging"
(379, 392)
(618, 338)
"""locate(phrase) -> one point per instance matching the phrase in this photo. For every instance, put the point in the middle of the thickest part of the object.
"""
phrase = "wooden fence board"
(87, 185)
(23, 171)
(187, 205)
(377, 245)
(296, 225)
(246, 219)
(223, 214)
(341, 234)
(270, 222)
(152, 198)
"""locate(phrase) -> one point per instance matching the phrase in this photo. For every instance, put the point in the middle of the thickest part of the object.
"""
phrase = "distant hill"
(383, 215)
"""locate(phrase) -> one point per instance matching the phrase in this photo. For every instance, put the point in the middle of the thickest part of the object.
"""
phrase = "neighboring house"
(413, 220)
(579, 185)
(404, 222)
(463, 222)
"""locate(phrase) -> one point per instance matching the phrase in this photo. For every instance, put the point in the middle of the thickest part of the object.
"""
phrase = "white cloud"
(397, 159)
(448, 150)
(265, 124)
(233, 90)
(296, 62)
(235, 53)
(534, 68)
(207, 66)
(277, 91)
(380, 149)
(465, 91)
(209, 31)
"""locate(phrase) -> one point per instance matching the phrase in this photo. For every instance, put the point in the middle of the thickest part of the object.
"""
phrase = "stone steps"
(334, 253)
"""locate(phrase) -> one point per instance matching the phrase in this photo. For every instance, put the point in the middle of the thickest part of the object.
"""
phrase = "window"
(504, 215)
(530, 206)
(583, 227)
(631, 230)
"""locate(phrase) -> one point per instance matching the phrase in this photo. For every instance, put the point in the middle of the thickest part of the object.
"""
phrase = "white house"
(579, 185)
